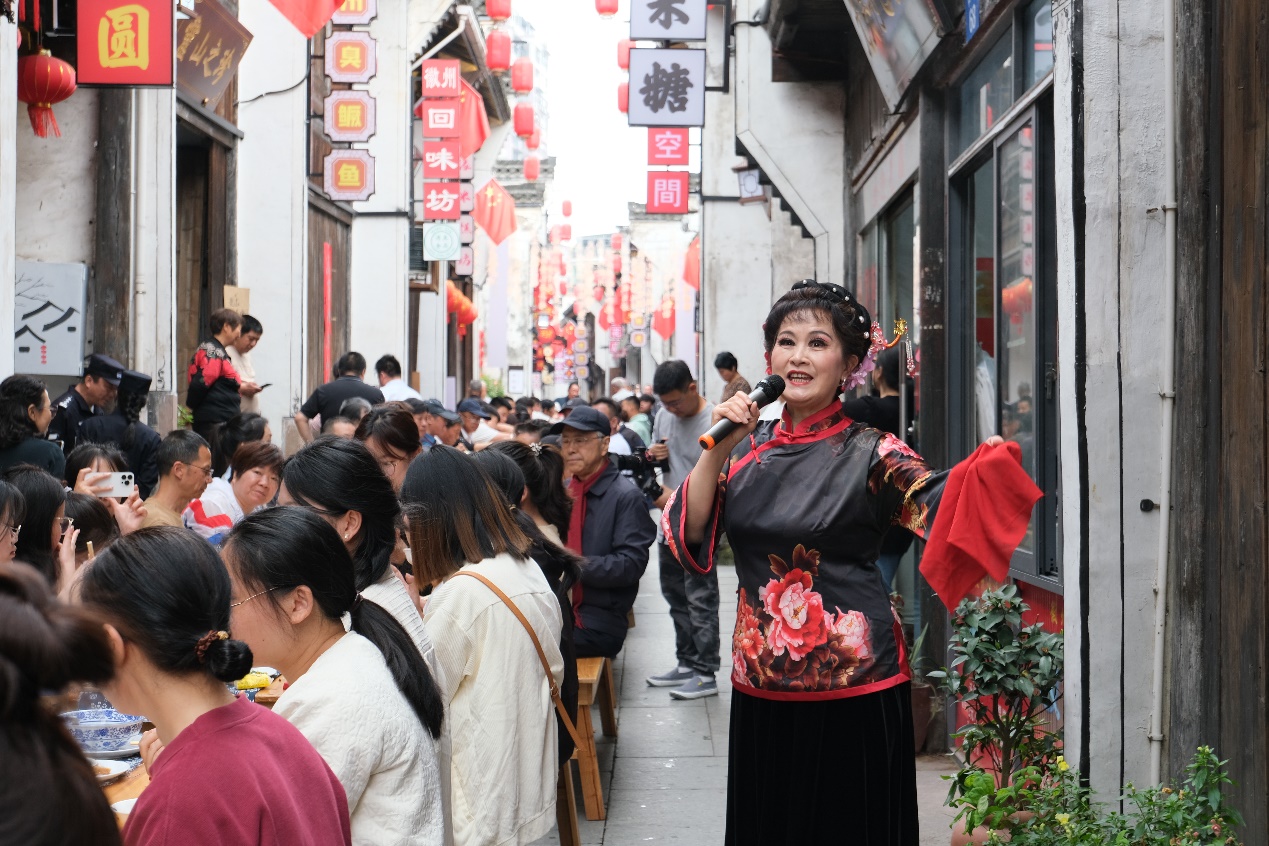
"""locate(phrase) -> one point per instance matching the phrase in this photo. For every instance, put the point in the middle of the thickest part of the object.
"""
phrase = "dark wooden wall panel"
(112, 282)
(326, 228)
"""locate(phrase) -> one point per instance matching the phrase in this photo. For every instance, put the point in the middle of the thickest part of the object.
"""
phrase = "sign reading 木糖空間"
(668, 20)
(209, 47)
(350, 116)
(350, 57)
(667, 87)
(349, 175)
(125, 43)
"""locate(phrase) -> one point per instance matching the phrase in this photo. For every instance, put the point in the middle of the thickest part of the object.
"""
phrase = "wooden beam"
(112, 284)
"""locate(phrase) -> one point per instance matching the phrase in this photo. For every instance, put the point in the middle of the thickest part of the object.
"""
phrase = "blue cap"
(473, 406)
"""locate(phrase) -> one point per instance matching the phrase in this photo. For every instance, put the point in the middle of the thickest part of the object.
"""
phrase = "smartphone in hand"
(121, 486)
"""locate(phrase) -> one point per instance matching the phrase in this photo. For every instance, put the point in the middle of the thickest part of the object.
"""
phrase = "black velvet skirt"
(835, 771)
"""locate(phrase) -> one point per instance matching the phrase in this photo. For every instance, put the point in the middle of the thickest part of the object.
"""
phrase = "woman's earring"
(345, 536)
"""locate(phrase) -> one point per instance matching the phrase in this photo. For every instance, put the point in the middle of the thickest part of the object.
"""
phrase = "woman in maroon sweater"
(222, 770)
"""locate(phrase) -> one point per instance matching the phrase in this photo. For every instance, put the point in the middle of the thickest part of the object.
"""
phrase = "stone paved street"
(665, 775)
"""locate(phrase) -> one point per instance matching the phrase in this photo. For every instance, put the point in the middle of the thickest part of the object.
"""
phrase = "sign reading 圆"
(350, 57)
(209, 47)
(667, 87)
(440, 242)
(350, 116)
(349, 175)
(667, 192)
(667, 145)
(356, 13)
(125, 43)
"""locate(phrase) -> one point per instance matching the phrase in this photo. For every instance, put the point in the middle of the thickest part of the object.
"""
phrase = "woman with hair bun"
(363, 697)
(222, 770)
(45, 645)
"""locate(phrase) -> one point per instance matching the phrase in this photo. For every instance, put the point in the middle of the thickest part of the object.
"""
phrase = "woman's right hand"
(741, 411)
(150, 747)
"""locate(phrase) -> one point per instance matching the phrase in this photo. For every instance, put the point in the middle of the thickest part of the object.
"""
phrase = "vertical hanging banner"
(126, 43)
(667, 87)
(668, 20)
(667, 145)
(667, 192)
(350, 57)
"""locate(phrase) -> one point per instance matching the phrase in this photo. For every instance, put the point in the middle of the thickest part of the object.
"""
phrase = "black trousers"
(593, 643)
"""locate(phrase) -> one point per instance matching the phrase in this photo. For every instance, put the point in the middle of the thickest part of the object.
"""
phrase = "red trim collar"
(825, 418)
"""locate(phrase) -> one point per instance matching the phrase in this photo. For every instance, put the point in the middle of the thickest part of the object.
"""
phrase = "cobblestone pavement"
(665, 774)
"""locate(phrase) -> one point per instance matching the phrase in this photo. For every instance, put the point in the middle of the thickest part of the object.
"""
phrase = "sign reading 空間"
(126, 43)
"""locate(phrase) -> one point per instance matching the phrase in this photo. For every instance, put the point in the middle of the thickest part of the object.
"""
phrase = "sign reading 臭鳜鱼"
(209, 47)
(125, 43)
(668, 20)
(356, 13)
(350, 116)
(667, 87)
(667, 192)
(667, 145)
(349, 175)
(350, 57)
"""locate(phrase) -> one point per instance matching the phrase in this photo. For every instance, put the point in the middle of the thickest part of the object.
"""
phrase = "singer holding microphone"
(821, 746)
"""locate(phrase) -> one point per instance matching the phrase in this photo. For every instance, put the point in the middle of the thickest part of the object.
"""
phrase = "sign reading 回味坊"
(125, 43)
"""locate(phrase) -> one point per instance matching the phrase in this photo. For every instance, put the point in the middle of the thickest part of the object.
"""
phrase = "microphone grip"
(720, 430)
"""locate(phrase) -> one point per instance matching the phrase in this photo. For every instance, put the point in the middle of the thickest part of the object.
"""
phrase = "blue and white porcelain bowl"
(104, 730)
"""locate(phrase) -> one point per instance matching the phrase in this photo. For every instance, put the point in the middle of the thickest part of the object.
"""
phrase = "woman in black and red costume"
(821, 724)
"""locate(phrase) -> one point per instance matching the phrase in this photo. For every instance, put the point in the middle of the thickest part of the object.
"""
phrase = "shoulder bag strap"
(546, 665)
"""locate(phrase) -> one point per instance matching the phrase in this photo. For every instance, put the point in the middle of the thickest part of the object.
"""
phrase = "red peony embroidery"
(798, 622)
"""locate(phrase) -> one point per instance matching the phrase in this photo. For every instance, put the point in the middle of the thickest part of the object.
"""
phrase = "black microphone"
(764, 393)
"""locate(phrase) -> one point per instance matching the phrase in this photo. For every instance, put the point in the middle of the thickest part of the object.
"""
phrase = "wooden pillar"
(112, 284)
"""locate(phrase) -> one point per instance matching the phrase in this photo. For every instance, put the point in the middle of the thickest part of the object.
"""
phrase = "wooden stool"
(594, 676)
(566, 808)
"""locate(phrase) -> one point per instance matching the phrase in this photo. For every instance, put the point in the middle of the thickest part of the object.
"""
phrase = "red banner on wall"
(125, 43)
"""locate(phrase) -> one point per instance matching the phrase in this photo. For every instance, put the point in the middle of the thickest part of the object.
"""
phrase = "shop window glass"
(982, 271)
(1037, 27)
(986, 94)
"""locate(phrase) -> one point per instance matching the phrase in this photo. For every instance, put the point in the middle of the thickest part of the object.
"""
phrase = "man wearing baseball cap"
(476, 432)
(610, 528)
(90, 396)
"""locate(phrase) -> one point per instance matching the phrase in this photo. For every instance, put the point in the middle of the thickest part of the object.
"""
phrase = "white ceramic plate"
(126, 752)
(268, 671)
(114, 769)
(123, 807)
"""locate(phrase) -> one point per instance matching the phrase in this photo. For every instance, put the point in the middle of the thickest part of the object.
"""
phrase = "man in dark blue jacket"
(610, 528)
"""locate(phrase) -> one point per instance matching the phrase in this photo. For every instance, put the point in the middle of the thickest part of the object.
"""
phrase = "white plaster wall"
(381, 231)
(736, 289)
(796, 132)
(1124, 259)
(8, 181)
(56, 182)
(273, 204)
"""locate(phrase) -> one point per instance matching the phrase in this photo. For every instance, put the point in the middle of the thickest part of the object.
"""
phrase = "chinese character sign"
(350, 116)
(441, 78)
(667, 146)
(668, 20)
(350, 57)
(127, 44)
(440, 118)
(440, 159)
(667, 87)
(349, 175)
(356, 13)
(667, 192)
(440, 201)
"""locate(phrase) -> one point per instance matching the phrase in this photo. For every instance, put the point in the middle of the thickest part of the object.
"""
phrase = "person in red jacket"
(214, 385)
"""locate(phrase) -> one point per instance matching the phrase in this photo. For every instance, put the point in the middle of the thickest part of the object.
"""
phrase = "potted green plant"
(925, 696)
(1004, 676)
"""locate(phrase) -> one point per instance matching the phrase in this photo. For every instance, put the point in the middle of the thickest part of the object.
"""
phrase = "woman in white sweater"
(359, 690)
(499, 713)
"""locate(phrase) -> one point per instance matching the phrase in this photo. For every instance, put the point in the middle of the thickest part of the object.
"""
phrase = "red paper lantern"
(567, 208)
(535, 140)
(498, 10)
(522, 75)
(498, 51)
(623, 53)
(606, 8)
(524, 119)
(566, 232)
(616, 243)
(623, 97)
(532, 168)
(616, 264)
(43, 81)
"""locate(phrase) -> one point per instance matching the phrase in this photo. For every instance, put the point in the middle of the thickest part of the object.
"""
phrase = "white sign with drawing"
(48, 318)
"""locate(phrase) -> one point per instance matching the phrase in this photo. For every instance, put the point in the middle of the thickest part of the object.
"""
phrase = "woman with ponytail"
(222, 770)
(362, 695)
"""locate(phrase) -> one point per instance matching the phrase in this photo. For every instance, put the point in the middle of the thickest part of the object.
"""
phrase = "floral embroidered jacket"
(805, 509)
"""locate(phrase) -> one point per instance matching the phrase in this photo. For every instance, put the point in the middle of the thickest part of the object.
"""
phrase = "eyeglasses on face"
(579, 443)
(207, 471)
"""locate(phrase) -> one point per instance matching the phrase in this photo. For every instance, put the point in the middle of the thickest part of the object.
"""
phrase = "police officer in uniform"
(123, 428)
(80, 402)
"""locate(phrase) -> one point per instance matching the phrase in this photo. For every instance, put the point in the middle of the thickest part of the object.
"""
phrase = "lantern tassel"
(43, 120)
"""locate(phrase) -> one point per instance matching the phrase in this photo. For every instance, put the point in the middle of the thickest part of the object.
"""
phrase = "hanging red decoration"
(524, 119)
(616, 243)
(42, 81)
(567, 208)
(623, 53)
(616, 264)
(535, 140)
(623, 97)
(566, 232)
(532, 169)
(498, 10)
(606, 8)
(522, 75)
(498, 51)
(563, 288)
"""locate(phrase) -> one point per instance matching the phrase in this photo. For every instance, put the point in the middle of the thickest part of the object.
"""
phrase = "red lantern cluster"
(524, 120)
(522, 75)
(616, 243)
(498, 51)
(535, 140)
(532, 168)
(498, 10)
(567, 208)
(623, 53)
(42, 81)
(458, 303)
(606, 8)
